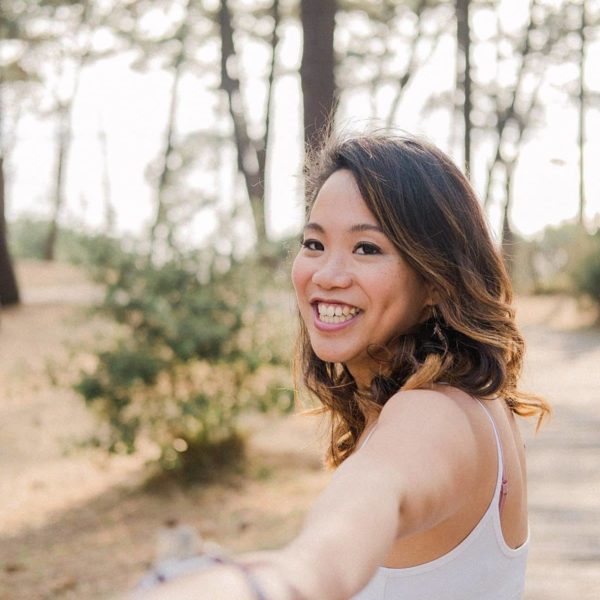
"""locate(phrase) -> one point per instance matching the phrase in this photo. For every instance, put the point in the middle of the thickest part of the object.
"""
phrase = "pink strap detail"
(503, 490)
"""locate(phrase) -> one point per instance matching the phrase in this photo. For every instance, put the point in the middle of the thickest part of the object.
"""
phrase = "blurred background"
(151, 196)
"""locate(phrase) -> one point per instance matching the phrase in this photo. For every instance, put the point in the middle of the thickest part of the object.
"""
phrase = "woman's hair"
(429, 211)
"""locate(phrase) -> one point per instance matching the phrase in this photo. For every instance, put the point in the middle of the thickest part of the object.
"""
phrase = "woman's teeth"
(336, 313)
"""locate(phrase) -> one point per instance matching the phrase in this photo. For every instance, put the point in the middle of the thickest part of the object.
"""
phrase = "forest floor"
(75, 524)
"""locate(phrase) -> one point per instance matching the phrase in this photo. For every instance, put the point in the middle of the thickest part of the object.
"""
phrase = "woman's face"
(354, 290)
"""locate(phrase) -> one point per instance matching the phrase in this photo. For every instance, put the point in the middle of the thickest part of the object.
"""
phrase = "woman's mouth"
(334, 313)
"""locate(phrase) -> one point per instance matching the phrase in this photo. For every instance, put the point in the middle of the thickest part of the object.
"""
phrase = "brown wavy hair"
(430, 212)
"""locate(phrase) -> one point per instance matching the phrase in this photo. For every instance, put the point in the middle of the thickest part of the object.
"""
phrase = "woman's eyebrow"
(365, 227)
(314, 227)
(359, 227)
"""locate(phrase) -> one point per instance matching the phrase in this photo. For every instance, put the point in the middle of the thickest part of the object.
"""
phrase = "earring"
(438, 330)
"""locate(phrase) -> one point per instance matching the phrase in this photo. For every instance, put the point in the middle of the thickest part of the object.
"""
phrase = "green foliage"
(193, 351)
(547, 264)
(565, 259)
(586, 274)
(27, 239)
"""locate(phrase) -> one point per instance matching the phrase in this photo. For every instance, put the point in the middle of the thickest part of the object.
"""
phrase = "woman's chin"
(333, 355)
(329, 355)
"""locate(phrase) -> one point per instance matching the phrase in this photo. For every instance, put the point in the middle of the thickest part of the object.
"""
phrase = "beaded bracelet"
(246, 572)
(171, 569)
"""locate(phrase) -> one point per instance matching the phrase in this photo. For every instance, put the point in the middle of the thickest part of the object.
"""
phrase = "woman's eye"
(312, 245)
(366, 248)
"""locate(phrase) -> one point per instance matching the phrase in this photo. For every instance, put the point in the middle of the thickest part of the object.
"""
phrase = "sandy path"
(564, 458)
(76, 526)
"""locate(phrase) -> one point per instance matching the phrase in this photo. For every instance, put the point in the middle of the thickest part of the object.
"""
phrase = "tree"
(75, 46)
(463, 37)
(582, 107)
(381, 46)
(55, 41)
(317, 69)
(251, 150)
(11, 71)
(9, 290)
(515, 104)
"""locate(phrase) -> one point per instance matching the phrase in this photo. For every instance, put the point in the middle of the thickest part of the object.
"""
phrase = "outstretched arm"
(409, 477)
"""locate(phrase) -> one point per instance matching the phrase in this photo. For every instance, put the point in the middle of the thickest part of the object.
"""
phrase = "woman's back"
(480, 552)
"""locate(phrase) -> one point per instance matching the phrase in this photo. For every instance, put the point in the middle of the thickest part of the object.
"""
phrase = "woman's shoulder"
(435, 446)
(440, 424)
(441, 404)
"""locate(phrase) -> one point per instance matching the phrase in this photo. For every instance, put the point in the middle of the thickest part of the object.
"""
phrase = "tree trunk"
(109, 210)
(463, 37)
(508, 236)
(582, 103)
(63, 140)
(9, 290)
(317, 70)
(505, 115)
(161, 219)
(249, 160)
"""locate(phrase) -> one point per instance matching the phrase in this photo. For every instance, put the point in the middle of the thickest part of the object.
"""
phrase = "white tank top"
(481, 567)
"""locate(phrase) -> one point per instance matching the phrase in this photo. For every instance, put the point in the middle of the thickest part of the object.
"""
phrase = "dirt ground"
(77, 525)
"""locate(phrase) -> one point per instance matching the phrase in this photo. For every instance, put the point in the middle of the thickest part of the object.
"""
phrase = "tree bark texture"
(463, 37)
(9, 290)
(317, 69)
(63, 142)
(582, 106)
(161, 214)
(251, 153)
(65, 139)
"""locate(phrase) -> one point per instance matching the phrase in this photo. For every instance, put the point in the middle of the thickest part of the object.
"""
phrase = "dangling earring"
(438, 330)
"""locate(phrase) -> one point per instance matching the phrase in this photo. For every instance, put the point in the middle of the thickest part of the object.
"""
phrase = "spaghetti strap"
(501, 481)
(364, 442)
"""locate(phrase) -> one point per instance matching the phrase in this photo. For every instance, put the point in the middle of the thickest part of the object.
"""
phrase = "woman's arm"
(411, 475)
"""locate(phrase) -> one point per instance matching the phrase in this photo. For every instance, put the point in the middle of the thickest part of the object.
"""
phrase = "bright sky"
(131, 106)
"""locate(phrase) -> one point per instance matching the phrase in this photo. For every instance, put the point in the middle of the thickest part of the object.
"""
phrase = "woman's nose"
(332, 274)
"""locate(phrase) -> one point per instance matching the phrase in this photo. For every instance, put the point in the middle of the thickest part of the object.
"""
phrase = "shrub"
(586, 273)
(554, 257)
(191, 354)
(28, 234)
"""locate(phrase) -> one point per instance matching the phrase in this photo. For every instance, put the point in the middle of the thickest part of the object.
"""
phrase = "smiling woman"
(409, 342)
(354, 289)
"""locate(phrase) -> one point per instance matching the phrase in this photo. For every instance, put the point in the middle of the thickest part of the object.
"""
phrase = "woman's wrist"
(219, 577)
(272, 579)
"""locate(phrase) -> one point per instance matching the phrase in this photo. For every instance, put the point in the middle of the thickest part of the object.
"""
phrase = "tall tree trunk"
(161, 214)
(582, 103)
(109, 210)
(65, 137)
(463, 37)
(508, 236)
(63, 142)
(9, 290)
(505, 115)
(251, 153)
(317, 70)
(413, 62)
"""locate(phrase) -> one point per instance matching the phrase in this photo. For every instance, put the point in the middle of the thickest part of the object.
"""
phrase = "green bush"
(191, 354)
(27, 238)
(586, 273)
(553, 259)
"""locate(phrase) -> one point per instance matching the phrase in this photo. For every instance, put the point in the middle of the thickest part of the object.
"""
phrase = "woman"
(409, 341)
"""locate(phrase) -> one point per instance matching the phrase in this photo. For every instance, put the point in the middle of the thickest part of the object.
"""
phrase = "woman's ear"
(433, 295)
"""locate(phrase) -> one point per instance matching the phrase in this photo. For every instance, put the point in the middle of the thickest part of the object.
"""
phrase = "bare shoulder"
(441, 410)
(439, 428)
(430, 441)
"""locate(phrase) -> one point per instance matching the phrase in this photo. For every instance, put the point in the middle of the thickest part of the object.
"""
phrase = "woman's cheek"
(299, 275)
